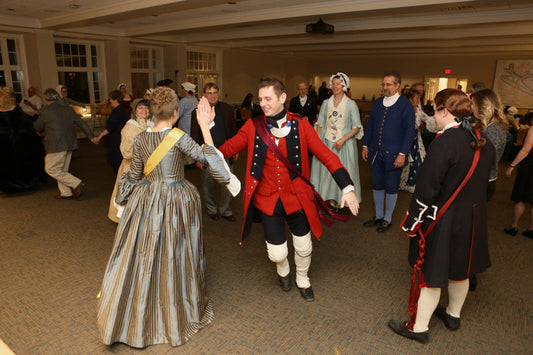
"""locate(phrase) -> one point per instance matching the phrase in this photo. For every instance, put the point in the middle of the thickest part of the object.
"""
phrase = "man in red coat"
(275, 194)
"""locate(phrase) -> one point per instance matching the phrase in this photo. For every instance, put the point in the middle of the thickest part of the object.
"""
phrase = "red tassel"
(417, 281)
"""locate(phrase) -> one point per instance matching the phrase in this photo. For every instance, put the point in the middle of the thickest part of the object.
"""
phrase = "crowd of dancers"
(302, 169)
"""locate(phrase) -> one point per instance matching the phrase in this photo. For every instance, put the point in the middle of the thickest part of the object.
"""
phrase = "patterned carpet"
(53, 254)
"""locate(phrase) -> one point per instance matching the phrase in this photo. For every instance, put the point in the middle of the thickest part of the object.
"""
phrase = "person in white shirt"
(32, 104)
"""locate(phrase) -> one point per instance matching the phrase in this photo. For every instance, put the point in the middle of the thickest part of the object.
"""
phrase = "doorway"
(434, 85)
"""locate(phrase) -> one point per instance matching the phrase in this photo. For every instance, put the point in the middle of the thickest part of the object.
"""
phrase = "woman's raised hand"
(205, 114)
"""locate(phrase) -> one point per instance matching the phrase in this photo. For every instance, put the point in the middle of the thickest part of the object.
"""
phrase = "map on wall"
(513, 81)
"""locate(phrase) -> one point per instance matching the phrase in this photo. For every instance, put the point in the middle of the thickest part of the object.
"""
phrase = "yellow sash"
(162, 149)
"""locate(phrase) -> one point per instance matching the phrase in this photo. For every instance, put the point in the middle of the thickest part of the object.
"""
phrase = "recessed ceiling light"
(74, 6)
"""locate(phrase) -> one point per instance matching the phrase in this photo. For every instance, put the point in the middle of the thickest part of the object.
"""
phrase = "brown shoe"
(76, 193)
(59, 197)
(230, 218)
(214, 217)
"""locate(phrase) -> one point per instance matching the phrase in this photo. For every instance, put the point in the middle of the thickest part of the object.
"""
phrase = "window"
(79, 69)
(198, 61)
(146, 68)
(201, 69)
(11, 70)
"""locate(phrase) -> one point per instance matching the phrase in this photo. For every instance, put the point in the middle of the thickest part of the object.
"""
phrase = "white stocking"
(457, 291)
(427, 303)
(303, 247)
(278, 254)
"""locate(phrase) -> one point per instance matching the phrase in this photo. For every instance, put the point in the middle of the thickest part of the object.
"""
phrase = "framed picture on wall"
(513, 81)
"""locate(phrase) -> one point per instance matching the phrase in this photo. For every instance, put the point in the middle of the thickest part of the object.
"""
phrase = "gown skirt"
(154, 287)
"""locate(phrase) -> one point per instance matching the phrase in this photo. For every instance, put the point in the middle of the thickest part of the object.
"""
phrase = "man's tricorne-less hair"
(209, 86)
(51, 95)
(396, 75)
(278, 86)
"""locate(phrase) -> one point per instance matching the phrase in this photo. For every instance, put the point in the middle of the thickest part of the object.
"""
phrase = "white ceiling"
(362, 27)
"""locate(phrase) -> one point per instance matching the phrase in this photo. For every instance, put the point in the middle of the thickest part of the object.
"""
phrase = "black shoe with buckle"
(384, 226)
(528, 233)
(511, 231)
(450, 322)
(285, 282)
(307, 293)
(472, 284)
(401, 329)
(373, 222)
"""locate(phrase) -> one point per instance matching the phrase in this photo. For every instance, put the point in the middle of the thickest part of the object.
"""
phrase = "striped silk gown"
(154, 288)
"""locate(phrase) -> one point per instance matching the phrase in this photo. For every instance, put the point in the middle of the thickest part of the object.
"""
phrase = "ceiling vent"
(320, 27)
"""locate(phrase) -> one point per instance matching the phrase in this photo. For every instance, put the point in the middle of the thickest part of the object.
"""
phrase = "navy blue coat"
(390, 130)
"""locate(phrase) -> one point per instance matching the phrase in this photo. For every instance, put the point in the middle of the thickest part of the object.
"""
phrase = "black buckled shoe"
(285, 282)
(307, 293)
(384, 226)
(511, 231)
(472, 284)
(401, 329)
(450, 322)
(528, 233)
(373, 222)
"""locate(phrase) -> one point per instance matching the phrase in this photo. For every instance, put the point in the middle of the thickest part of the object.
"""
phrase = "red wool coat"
(268, 179)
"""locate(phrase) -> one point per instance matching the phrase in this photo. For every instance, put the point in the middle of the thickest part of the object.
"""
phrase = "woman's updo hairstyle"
(7, 97)
(455, 101)
(164, 102)
(459, 105)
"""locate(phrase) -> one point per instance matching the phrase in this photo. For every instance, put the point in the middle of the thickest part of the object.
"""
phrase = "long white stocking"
(303, 247)
(427, 303)
(457, 292)
(278, 254)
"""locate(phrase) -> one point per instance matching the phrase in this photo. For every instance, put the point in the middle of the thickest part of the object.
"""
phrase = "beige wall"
(242, 70)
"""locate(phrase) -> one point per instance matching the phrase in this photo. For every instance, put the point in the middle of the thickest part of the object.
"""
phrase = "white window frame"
(21, 66)
(89, 69)
(199, 74)
(154, 73)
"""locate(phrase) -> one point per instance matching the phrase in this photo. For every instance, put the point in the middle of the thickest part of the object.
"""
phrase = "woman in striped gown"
(154, 288)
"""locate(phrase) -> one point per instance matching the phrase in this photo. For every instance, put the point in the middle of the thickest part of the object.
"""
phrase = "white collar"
(388, 101)
(283, 131)
(149, 129)
(449, 125)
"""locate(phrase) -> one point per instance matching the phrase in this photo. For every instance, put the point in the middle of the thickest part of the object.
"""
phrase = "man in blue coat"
(388, 139)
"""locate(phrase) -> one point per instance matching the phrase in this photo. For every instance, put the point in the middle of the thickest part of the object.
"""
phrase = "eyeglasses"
(387, 84)
(212, 93)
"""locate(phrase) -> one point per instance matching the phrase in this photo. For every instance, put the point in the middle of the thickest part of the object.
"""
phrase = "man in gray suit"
(56, 122)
